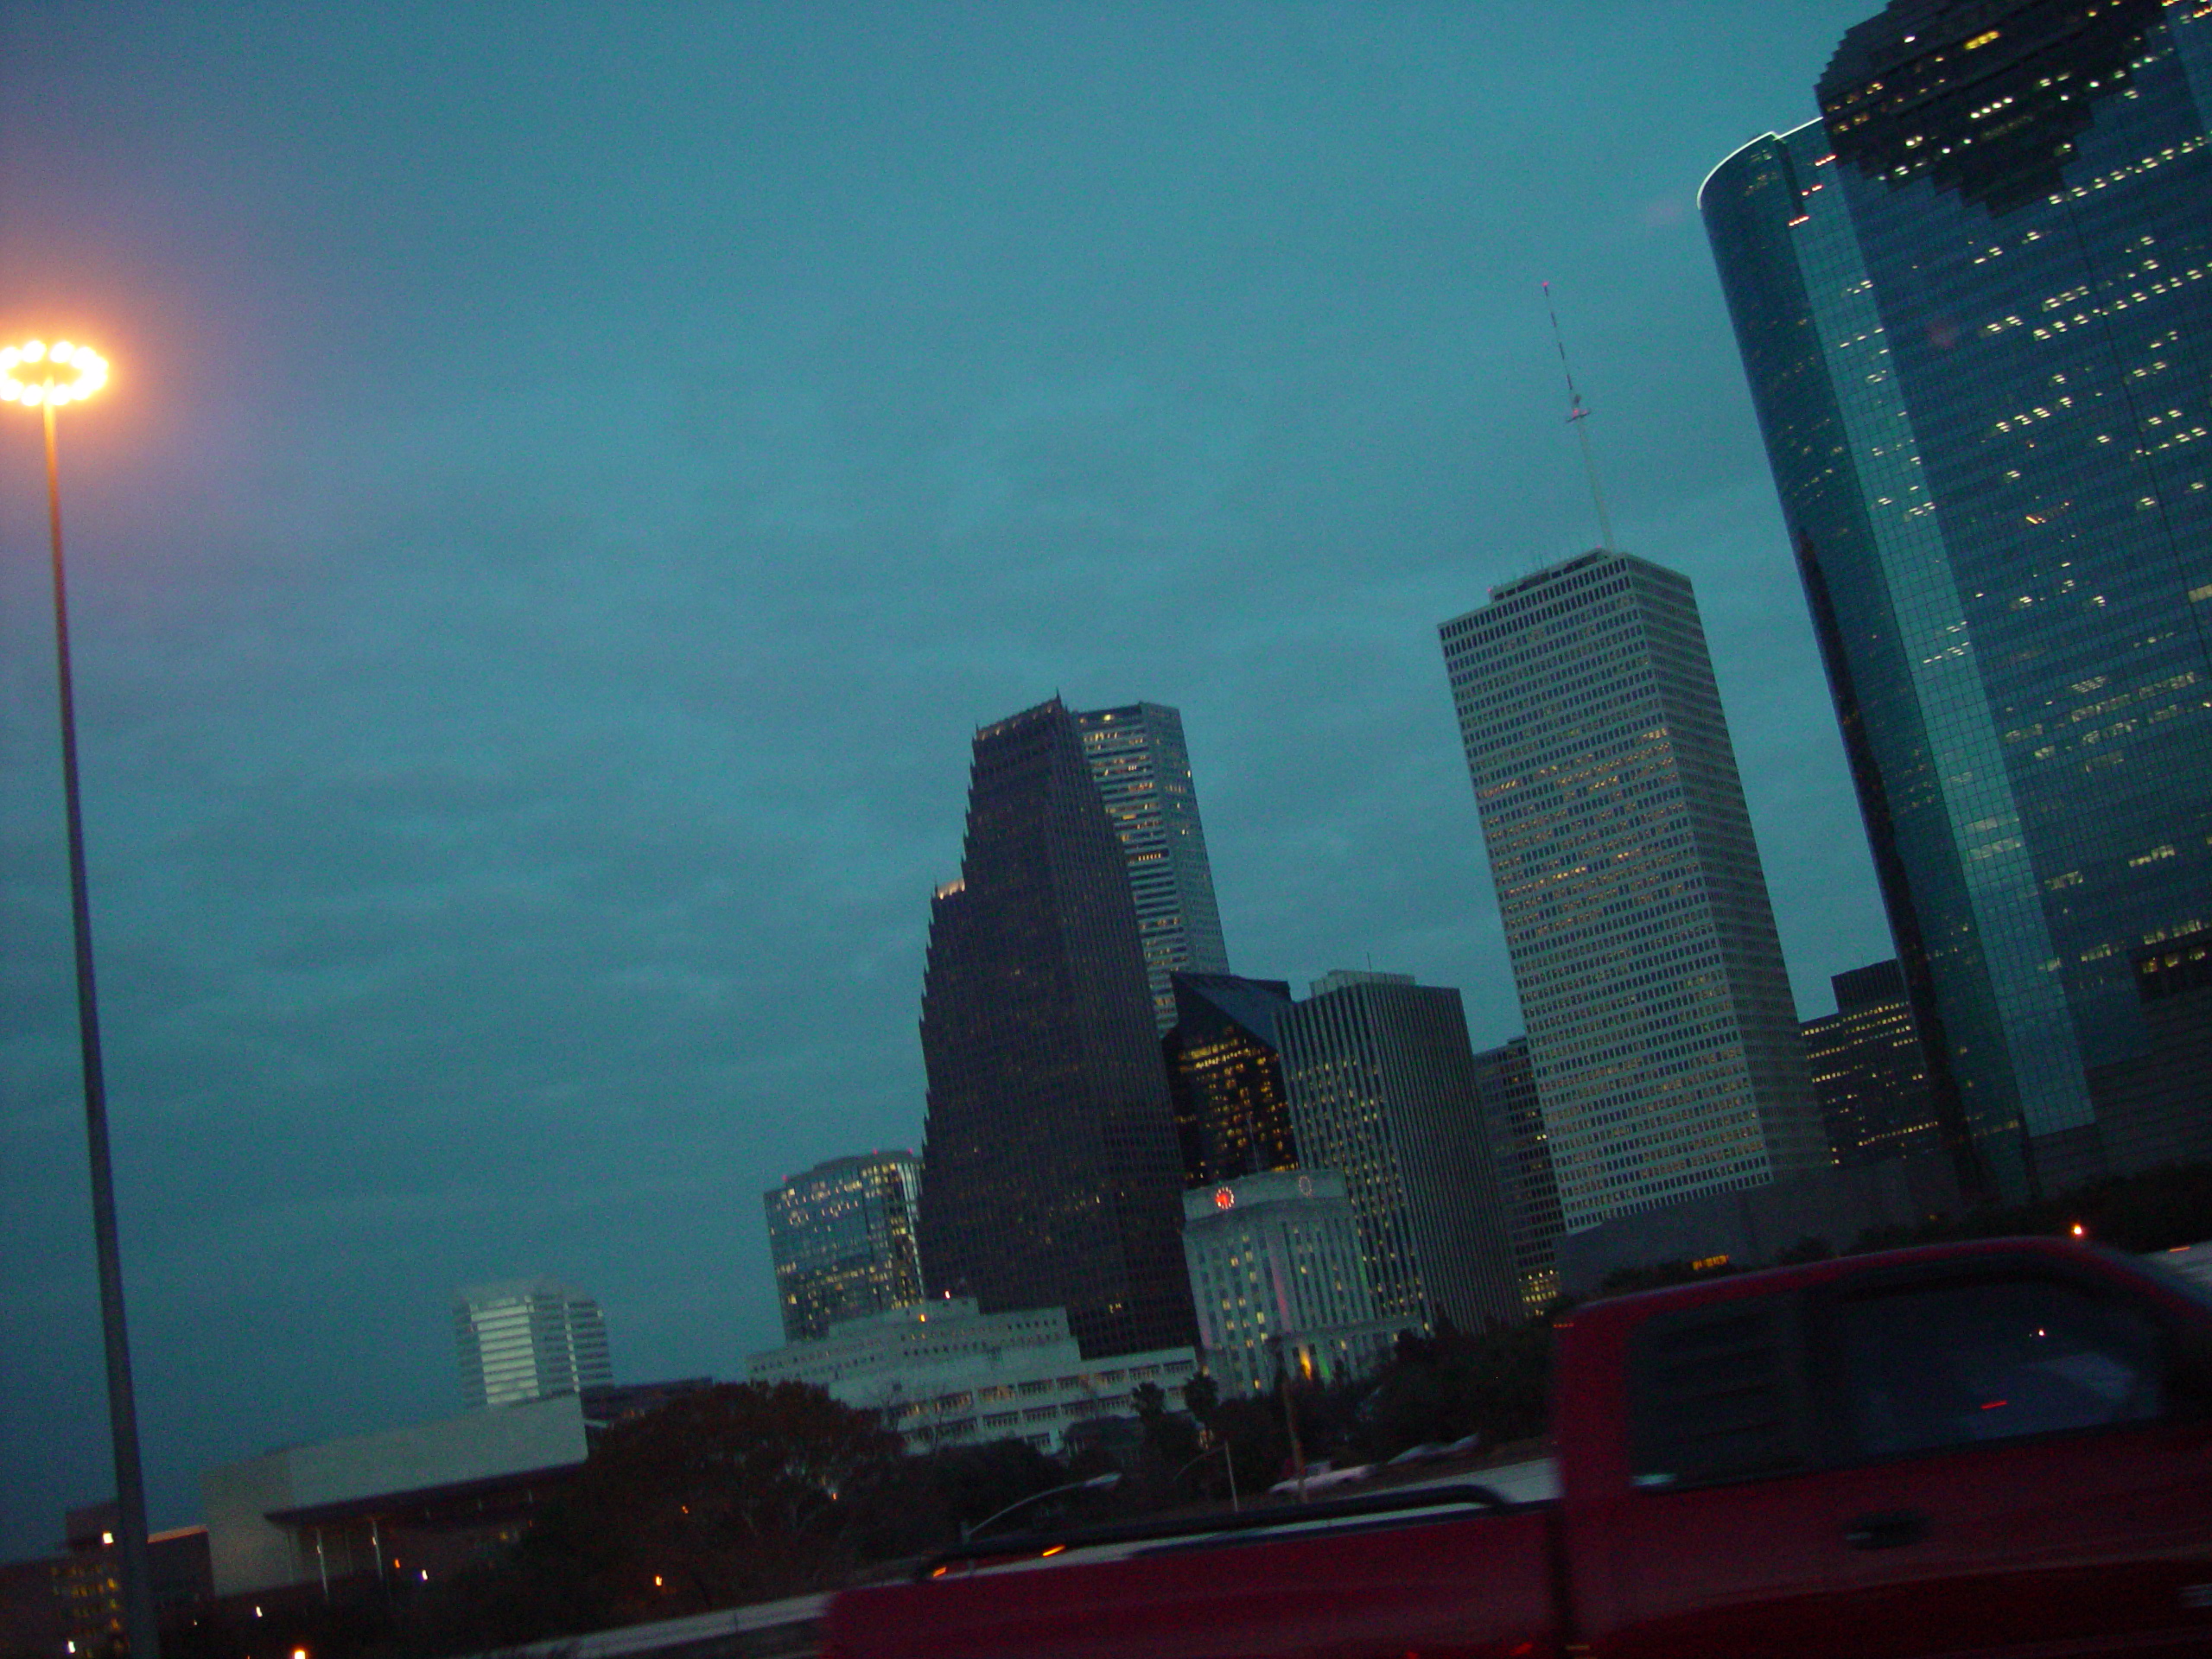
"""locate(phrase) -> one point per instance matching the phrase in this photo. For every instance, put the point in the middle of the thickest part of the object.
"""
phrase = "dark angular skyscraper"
(1975, 304)
(1224, 1074)
(1868, 1072)
(1053, 1178)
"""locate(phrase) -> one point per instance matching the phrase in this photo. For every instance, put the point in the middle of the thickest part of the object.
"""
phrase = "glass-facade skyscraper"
(1142, 768)
(841, 1236)
(1224, 1075)
(1975, 304)
(1053, 1175)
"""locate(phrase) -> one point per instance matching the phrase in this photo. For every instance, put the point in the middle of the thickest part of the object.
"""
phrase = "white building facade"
(945, 1373)
(527, 1339)
(1661, 1033)
(1279, 1281)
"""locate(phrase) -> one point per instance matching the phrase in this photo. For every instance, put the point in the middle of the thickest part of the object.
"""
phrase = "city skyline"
(564, 503)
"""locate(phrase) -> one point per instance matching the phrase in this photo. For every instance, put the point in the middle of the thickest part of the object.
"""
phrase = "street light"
(1095, 1483)
(44, 377)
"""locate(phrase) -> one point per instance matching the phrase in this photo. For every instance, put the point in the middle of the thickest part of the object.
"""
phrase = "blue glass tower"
(1974, 303)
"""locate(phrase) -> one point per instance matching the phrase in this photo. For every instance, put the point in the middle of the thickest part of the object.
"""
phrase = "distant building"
(1142, 768)
(842, 1238)
(1279, 1282)
(1053, 1175)
(1867, 1069)
(943, 1373)
(416, 1503)
(1382, 1082)
(1521, 1153)
(1224, 1077)
(527, 1339)
(2156, 1107)
(1660, 1028)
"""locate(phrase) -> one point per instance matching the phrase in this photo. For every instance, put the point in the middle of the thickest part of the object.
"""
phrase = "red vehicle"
(1992, 1448)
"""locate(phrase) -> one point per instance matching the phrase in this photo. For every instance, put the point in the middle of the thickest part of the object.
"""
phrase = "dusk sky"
(573, 478)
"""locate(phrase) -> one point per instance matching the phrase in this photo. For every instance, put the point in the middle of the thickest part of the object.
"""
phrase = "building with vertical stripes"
(1661, 1034)
(527, 1339)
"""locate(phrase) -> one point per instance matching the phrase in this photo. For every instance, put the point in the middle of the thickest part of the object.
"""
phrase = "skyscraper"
(1661, 1030)
(527, 1339)
(1053, 1178)
(1382, 1090)
(1521, 1153)
(841, 1236)
(1973, 304)
(1224, 1078)
(1143, 772)
(1868, 1072)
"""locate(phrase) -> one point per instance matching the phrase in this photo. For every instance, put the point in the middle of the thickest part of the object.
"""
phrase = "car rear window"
(1716, 1394)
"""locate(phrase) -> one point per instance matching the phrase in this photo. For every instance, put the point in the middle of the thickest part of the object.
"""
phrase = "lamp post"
(1095, 1483)
(45, 377)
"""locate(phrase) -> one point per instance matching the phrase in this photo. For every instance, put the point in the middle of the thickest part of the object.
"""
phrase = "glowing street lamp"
(45, 377)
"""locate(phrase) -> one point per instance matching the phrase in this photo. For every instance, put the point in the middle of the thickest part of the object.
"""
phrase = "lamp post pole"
(29, 374)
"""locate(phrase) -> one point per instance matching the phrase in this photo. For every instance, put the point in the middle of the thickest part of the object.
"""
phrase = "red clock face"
(1224, 1199)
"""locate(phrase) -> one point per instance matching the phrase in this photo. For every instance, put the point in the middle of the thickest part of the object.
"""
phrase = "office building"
(1972, 301)
(1224, 1078)
(944, 1373)
(1661, 1034)
(1505, 1082)
(841, 1236)
(2156, 1108)
(1281, 1283)
(527, 1339)
(1143, 772)
(1868, 1070)
(1382, 1091)
(1053, 1173)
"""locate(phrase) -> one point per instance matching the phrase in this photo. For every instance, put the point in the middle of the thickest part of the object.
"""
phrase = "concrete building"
(944, 1373)
(418, 1502)
(1382, 1090)
(1279, 1282)
(1053, 1173)
(1868, 1072)
(1968, 301)
(1224, 1078)
(841, 1236)
(1661, 1033)
(1142, 768)
(527, 1339)
(1521, 1153)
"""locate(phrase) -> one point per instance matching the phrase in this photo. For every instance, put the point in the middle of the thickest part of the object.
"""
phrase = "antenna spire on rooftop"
(1578, 416)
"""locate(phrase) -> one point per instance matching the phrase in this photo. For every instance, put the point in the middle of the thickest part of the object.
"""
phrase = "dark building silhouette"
(1868, 1072)
(1053, 1178)
(2156, 1107)
(1519, 1152)
(1973, 303)
(1224, 1075)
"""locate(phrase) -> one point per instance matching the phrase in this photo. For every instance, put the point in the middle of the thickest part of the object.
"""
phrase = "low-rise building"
(944, 1373)
(1278, 1280)
(419, 1501)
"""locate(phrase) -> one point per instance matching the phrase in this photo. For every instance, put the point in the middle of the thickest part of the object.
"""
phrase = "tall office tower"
(1050, 1146)
(527, 1339)
(1143, 771)
(1520, 1151)
(1973, 306)
(841, 1236)
(1224, 1078)
(1660, 1029)
(1868, 1073)
(1382, 1084)
(1280, 1282)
